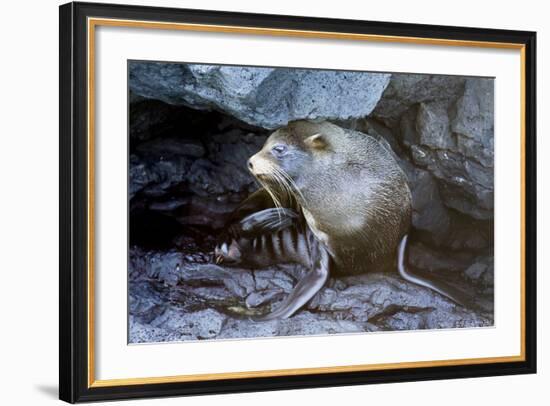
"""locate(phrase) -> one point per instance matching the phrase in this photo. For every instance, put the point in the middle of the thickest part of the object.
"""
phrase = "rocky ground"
(192, 128)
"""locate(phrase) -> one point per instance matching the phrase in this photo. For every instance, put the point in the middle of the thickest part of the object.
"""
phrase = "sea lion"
(333, 199)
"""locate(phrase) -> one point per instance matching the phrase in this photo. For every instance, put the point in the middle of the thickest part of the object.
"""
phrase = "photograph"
(276, 201)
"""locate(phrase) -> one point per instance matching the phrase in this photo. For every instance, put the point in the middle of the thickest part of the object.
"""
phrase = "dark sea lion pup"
(332, 199)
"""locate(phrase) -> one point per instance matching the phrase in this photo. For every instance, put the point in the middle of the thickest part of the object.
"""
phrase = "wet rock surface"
(188, 150)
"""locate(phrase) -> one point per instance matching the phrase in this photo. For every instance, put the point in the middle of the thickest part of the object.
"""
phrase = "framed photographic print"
(255, 202)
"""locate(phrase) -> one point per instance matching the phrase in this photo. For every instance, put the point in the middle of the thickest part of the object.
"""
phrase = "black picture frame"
(73, 283)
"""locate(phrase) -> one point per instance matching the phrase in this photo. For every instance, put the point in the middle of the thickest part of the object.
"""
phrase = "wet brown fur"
(352, 193)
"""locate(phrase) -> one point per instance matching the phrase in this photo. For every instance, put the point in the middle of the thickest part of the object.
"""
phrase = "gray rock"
(265, 97)
(171, 300)
(196, 183)
(148, 118)
(465, 185)
(307, 323)
(429, 213)
(256, 299)
(154, 177)
(160, 165)
(163, 147)
(201, 324)
(389, 302)
(146, 301)
(424, 257)
(481, 271)
(178, 325)
(432, 126)
(273, 279)
(473, 121)
(155, 264)
(406, 90)
(241, 283)
(447, 125)
(144, 333)
(169, 205)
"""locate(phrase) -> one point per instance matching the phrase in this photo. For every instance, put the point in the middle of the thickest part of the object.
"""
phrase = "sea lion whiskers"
(276, 201)
(282, 182)
(291, 185)
(272, 194)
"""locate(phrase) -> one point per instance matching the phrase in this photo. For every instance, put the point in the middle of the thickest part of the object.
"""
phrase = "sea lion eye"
(279, 149)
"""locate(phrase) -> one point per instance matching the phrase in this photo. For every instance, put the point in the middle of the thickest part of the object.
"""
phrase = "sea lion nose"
(250, 165)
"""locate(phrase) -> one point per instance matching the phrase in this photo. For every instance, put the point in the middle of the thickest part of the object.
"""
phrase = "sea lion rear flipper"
(304, 290)
(438, 286)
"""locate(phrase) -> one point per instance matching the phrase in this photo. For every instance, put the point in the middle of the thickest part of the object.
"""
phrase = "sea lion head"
(287, 158)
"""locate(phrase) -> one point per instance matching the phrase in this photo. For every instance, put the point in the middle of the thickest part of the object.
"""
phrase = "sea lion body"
(357, 199)
(352, 193)
(339, 195)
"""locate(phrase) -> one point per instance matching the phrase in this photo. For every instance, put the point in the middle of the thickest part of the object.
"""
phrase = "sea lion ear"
(316, 141)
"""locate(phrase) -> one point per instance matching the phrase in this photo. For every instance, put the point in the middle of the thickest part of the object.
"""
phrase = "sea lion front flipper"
(263, 222)
(268, 221)
(304, 290)
(257, 201)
